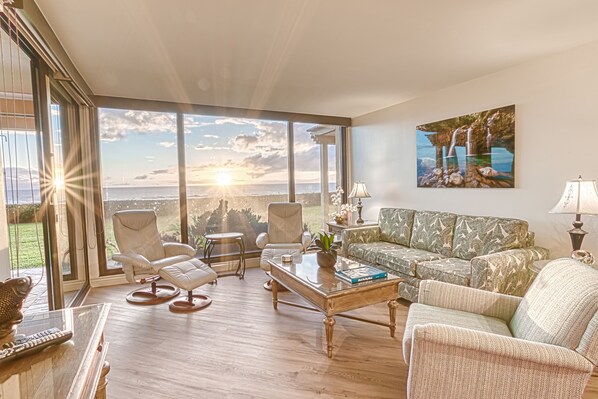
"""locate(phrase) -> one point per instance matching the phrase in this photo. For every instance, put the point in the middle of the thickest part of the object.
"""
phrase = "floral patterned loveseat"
(482, 252)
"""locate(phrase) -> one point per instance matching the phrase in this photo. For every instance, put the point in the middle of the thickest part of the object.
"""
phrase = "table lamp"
(579, 198)
(359, 191)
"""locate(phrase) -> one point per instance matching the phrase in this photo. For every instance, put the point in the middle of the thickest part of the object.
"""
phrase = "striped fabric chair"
(462, 343)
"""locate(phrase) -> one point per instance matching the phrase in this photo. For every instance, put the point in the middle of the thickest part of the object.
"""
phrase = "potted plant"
(326, 256)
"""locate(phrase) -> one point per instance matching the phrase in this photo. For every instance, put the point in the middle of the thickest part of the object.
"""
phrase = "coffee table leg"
(274, 294)
(392, 307)
(329, 323)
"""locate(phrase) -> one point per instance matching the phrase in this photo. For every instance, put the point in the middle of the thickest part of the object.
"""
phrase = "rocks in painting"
(456, 179)
(472, 177)
(488, 172)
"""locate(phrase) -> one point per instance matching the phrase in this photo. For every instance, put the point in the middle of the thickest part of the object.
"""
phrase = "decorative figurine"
(583, 256)
(13, 292)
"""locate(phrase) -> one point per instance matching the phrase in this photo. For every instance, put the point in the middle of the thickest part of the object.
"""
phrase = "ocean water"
(26, 196)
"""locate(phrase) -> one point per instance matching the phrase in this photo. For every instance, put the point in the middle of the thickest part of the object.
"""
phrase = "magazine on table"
(355, 272)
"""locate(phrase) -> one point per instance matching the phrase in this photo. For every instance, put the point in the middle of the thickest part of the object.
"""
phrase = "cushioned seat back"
(560, 308)
(396, 225)
(482, 235)
(433, 231)
(285, 222)
(136, 232)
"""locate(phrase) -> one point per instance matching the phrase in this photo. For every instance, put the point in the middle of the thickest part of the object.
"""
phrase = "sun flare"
(223, 178)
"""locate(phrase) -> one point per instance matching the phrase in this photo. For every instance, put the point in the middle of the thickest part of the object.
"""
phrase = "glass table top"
(305, 268)
(55, 372)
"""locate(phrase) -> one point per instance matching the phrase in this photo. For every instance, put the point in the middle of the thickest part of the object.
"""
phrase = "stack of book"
(360, 274)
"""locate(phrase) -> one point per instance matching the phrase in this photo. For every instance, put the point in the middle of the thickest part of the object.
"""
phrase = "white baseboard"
(221, 267)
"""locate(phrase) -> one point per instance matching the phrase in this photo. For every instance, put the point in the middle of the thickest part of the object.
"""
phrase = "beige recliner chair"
(143, 254)
(466, 343)
(285, 234)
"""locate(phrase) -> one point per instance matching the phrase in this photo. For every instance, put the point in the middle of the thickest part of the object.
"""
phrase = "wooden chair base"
(190, 304)
(268, 286)
(154, 295)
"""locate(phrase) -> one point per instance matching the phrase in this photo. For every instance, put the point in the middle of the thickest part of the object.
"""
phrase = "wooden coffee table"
(331, 295)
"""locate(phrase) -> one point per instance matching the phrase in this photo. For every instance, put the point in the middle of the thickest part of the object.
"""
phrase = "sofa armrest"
(262, 240)
(358, 235)
(483, 362)
(471, 300)
(177, 248)
(507, 272)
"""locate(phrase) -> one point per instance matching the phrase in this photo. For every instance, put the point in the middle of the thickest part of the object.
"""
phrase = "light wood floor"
(239, 347)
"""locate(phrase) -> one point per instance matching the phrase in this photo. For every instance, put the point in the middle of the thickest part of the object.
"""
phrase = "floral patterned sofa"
(482, 252)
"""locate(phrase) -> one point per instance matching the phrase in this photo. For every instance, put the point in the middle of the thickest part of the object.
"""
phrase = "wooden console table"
(74, 369)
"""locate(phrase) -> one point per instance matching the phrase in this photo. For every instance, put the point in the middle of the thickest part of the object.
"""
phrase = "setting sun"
(223, 178)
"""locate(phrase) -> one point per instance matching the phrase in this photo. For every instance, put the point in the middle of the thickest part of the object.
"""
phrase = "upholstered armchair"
(143, 254)
(463, 343)
(285, 234)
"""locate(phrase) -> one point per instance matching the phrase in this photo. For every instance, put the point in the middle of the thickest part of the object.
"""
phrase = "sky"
(138, 148)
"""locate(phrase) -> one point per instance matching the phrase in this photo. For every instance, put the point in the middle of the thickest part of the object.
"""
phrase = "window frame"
(180, 109)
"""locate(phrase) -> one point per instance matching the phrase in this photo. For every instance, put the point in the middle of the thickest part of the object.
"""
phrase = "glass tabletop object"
(305, 268)
(55, 372)
(223, 236)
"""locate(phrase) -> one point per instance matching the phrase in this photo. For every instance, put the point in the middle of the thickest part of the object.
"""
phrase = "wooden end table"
(331, 295)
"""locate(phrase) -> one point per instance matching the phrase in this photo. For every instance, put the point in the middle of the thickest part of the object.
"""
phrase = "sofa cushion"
(433, 231)
(481, 235)
(404, 259)
(396, 225)
(450, 270)
(504, 234)
(369, 251)
(424, 314)
(559, 306)
(470, 234)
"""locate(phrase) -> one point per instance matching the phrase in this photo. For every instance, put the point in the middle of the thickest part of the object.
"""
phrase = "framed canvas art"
(469, 151)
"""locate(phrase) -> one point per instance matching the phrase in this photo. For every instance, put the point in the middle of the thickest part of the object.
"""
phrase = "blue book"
(360, 274)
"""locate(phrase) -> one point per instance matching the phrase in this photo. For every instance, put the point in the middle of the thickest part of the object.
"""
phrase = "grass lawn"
(31, 252)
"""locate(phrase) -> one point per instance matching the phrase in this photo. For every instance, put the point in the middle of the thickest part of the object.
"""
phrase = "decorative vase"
(340, 219)
(326, 259)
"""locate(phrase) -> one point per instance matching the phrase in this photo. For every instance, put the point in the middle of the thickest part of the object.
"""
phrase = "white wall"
(556, 139)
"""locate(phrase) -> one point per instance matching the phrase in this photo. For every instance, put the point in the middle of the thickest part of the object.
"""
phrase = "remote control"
(34, 343)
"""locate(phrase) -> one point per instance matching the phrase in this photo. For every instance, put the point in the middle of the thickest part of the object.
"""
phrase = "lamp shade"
(359, 191)
(580, 197)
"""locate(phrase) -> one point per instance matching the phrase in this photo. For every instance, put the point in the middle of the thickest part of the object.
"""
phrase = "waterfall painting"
(471, 151)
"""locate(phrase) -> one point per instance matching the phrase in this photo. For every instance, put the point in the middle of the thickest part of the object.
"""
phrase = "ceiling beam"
(166, 106)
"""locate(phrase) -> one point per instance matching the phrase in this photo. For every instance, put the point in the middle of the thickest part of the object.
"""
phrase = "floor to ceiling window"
(139, 169)
(233, 168)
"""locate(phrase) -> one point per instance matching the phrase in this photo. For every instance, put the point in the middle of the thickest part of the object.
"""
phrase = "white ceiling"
(330, 57)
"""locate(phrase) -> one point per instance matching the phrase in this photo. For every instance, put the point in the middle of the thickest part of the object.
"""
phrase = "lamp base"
(359, 208)
(577, 234)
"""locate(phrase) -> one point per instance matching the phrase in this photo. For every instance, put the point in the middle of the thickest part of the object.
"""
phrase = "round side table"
(226, 238)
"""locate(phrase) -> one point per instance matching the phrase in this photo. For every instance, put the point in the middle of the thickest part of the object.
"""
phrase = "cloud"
(115, 124)
(244, 142)
(259, 165)
(161, 172)
(203, 147)
(20, 176)
(167, 144)
(210, 136)
(142, 177)
(269, 137)
(150, 158)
